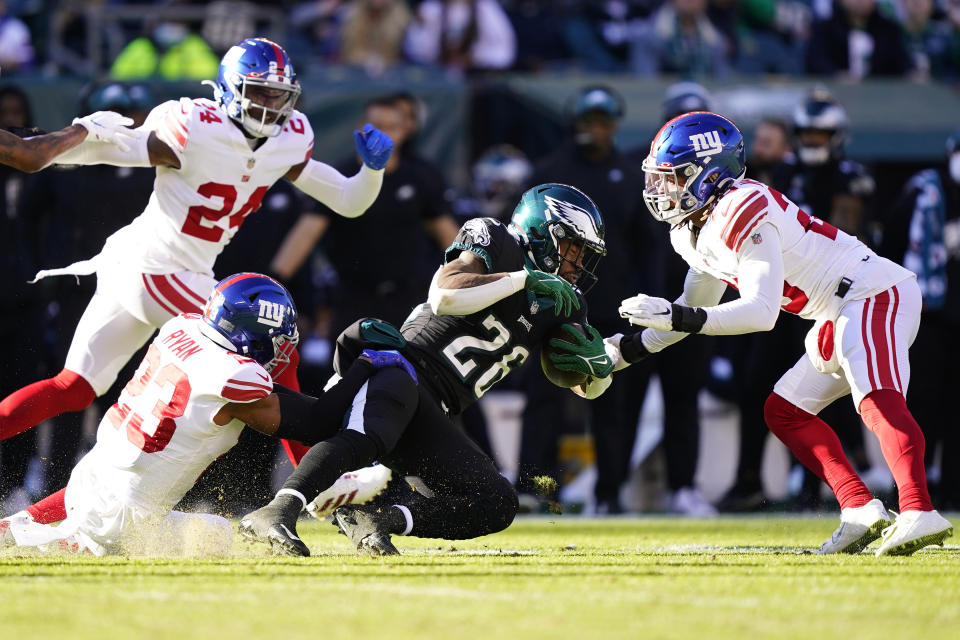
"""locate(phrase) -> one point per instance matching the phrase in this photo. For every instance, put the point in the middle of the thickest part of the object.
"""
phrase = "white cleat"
(353, 487)
(6, 536)
(859, 526)
(912, 531)
(688, 501)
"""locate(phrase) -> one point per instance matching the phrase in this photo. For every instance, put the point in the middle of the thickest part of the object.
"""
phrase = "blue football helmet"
(693, 159)
(254, 316)
(257, 86)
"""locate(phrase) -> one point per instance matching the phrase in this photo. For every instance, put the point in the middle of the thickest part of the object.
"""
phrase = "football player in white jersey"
(215, 161)
(203, 378)
(866, 309)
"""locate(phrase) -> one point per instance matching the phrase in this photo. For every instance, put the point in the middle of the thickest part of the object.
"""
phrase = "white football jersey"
(195, 210)
(159, 437)
(816, 255)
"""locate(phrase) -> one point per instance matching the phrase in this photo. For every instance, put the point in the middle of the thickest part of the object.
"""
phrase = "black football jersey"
(462, 357)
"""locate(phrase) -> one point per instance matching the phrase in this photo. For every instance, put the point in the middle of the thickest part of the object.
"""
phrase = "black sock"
(328, 460)
(289, 507)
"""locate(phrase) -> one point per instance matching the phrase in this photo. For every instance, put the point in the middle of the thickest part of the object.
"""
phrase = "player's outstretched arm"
(32, 154)
(295, 416)
(463, 286)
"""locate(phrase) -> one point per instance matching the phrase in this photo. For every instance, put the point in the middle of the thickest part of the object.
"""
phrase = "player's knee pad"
(77, 393)
(390, 401)
(779, 414)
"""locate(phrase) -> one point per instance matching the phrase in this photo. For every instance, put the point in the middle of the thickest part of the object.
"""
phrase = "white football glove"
(612, 346)
(648, 311)
(107, 126)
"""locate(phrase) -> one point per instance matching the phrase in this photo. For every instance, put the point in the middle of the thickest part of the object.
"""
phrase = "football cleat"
(353, 487)
(912, 531)
(270, 526)
(367, 528)
(859, 526)
(6, 535)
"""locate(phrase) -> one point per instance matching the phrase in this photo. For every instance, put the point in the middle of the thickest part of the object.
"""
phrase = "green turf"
(564, 577)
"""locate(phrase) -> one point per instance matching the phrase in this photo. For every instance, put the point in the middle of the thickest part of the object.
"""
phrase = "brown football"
(559, 377)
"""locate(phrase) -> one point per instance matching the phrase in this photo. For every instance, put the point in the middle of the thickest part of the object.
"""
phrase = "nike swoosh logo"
(265, 378)
(289, 533)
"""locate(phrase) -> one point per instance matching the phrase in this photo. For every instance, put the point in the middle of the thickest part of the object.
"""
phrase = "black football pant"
(399, 424)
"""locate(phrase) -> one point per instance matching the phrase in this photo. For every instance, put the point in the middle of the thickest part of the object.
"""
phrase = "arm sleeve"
(309, 420)
(463, 302)
(760, 280)
(349, 197)
(699, 290)
(93, 152)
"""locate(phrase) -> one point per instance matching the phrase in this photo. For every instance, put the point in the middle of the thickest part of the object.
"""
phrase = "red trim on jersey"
(237, 278)
(191, 293)
(168, 291)
(798, 298)
(756, 208)
(309, 152)
(736, 212)
(249, 383)
(242, 395)
(176, 129)
(746, 234)
(148, 284)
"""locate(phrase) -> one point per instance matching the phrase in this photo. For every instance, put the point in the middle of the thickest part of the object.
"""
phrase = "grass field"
(565, 577)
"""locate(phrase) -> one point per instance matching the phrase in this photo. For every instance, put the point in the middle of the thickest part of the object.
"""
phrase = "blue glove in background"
(390, 358)
(374, 146)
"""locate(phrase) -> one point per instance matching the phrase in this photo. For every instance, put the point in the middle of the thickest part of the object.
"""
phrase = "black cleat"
(267, 525)
(367, 527)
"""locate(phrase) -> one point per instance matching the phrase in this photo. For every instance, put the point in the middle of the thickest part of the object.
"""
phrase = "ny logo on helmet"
(271, 313)
(707, 143)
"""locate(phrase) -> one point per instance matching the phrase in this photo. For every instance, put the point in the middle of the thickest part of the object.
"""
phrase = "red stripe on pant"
(879, 321)
(288, 378)
(817, 447)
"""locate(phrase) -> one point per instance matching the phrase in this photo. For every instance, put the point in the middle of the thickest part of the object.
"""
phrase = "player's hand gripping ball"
(572, 354)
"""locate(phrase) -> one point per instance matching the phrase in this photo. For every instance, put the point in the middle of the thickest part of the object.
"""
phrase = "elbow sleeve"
(462, 302)
(349, 197)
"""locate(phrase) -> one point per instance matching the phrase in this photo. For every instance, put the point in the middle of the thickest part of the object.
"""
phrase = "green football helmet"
(549, 213)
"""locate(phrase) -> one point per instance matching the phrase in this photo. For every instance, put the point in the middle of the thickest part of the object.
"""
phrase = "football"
(559, 377)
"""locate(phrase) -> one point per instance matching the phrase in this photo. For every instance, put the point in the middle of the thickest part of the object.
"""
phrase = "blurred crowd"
(380, 264)
(849, 39)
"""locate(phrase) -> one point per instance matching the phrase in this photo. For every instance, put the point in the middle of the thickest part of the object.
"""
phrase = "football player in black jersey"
(502, 289)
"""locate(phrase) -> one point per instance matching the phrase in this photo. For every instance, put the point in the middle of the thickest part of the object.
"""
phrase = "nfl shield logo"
(251, 162)
(757, 238)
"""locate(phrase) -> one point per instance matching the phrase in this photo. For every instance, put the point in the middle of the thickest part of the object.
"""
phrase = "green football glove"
(583, 354)
(554, 287)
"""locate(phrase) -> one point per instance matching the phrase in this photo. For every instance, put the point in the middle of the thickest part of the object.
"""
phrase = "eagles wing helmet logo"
(476, 232)
(573, 216)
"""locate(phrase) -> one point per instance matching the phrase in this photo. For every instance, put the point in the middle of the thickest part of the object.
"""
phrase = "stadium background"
(898, 125)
